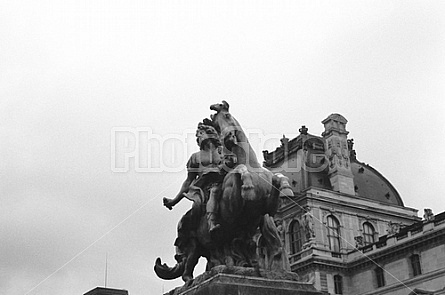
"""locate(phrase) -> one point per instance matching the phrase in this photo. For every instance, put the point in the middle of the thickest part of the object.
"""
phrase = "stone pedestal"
(226, 281)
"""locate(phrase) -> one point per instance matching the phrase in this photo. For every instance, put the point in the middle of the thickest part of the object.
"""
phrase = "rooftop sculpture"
(233, 199)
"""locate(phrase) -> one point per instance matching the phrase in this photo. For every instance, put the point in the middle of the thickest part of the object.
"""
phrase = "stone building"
(347, 229)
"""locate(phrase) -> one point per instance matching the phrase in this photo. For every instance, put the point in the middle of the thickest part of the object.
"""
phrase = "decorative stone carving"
(324, 213)
(308, 223)
(393, 228)
(284, 141)
(352, 153)
(280, 229)
(337, 152)
(359, 242)
(303, 130)
(428, 214)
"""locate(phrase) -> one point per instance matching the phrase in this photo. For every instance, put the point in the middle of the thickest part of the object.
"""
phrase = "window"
(295, 237)
(415, 265)
(333, 234)
(368, 233)
(338, 284)
(380, 277)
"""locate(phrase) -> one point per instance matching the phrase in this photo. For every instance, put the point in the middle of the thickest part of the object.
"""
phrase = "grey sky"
(72, 71)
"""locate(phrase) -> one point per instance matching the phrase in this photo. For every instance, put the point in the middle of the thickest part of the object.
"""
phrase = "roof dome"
(370, 184)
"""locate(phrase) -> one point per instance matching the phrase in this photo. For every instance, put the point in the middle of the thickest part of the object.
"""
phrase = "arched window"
(333, 234)
(338, 284)
(415, 265)
(368, 233)
(295, 237)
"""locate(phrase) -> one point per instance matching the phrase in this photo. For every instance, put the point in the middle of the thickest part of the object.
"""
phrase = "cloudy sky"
(83, 84)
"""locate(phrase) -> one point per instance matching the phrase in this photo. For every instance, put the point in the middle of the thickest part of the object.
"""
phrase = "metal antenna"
(106, 269)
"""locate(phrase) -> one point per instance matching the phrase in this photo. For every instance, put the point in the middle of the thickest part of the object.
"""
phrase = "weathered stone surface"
(222, 280)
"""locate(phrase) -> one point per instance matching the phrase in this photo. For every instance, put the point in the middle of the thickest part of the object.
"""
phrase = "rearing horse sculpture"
(258, 198)
(249, 199)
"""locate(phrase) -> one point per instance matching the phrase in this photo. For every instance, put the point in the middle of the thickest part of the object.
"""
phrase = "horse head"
(232, 134)
(220, 106)
(226, 124)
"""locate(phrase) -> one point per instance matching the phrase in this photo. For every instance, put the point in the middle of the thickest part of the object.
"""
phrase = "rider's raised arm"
(169, 203)
(192, 174)
(186, 184)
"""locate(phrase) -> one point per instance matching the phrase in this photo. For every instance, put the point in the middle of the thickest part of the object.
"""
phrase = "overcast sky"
(73, 74)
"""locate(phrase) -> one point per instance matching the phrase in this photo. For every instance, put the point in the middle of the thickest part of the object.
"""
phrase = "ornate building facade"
(347, 229)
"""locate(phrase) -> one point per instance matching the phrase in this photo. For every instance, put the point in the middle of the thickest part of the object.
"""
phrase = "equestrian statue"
(233, 199)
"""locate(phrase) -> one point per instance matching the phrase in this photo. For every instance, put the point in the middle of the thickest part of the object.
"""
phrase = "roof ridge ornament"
(303, 130)
(352, 152)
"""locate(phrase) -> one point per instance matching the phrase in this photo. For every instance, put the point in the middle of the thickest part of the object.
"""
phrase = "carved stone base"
(223, 280)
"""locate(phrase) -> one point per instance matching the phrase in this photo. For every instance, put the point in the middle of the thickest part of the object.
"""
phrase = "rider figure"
(203, 173)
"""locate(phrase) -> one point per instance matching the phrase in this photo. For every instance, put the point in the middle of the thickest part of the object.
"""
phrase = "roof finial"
(284, 140)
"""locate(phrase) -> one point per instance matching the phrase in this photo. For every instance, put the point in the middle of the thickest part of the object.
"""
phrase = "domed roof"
(370, 184)
(312, 151)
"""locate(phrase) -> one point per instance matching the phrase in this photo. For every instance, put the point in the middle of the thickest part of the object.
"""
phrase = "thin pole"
(106, 269)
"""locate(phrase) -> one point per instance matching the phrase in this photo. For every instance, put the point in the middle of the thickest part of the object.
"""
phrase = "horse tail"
(169, 273)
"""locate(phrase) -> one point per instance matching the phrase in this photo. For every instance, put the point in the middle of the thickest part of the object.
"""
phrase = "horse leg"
(231, 202)
(191, 262)
(212, 208)
(247, 192)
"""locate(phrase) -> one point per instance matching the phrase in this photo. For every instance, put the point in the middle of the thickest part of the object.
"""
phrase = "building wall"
(399, 278)
(433, 259)
(361, 278)
(432, 282)
(397, 271)
(361, 282)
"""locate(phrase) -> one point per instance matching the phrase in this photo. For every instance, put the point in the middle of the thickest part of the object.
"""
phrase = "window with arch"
(415, 265)
(338, 284)
(368, 233)
(333, 233)
(295, 237)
